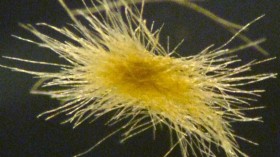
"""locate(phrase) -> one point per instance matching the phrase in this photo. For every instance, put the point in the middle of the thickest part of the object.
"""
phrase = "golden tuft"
(118, 65)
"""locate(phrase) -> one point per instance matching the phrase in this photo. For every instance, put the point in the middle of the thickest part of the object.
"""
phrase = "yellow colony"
(116, 64)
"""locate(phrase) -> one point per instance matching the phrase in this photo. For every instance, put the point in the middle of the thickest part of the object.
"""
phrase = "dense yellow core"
(142, 76)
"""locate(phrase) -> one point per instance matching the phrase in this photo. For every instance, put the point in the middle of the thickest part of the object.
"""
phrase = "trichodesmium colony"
(116, 64)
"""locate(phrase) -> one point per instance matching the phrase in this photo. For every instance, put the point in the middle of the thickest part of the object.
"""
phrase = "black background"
(22, 134)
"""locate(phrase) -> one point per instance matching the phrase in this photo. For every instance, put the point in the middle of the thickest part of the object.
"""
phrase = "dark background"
(22, 134)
